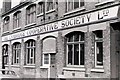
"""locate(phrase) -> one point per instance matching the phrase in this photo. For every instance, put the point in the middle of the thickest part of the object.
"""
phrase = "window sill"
(44, 67)
(41, 14)
(104, 2)
(15, 65)
(50, 11)
(16, 29)
(101, 70)
(29, 66)
(75, 66)
(5, 32)
(74, 69)
(30, 24)
(6, 65)
(75, 10)
(99, 67)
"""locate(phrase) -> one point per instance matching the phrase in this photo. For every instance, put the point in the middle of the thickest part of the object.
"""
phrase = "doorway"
(49, 61)
(49, 56)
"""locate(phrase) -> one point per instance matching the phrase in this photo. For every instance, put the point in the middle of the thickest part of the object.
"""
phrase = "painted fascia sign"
(103, 14)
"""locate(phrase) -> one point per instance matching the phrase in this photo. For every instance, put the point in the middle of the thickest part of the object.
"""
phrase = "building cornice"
(15, 8)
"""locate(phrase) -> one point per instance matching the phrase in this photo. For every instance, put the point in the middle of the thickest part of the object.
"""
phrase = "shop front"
(81, 46)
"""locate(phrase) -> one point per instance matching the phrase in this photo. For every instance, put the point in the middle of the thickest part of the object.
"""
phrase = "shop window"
(6, 24)
(31, 14)
(98, 36)
(75, 49)
(74, 4)
(16, 51)
(30, 48)
(5, 54)
(49, 51)
(16, 20)
(40, 7)
(50, 5)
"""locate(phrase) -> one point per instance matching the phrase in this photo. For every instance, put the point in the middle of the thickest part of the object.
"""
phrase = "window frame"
(30, 49)
(5, 55)
(16, 19)
(98, 40)
(79, 43)
(16, 51)
(41, 7)
(31, 14)
(48, 4)
(72, 4)
(49, 58)
(6, 22)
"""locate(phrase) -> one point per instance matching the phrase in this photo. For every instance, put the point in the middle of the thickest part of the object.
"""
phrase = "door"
(49, 52)
(52, 66)
(49, 61)
(117, 52)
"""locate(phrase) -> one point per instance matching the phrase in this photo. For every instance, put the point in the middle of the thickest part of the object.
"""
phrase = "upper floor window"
(16, 19)
(98, 37)
(31, 14)
(6, 24)
(74, 4)
(30, 52)
(40, 7)
(75, 48)
(50, 5)
(5, 54)
(16, 49)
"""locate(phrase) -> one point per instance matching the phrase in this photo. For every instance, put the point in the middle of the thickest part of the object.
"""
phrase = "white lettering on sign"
(70, 22)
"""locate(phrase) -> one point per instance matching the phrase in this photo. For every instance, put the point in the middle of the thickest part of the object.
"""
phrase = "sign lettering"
(71, 22)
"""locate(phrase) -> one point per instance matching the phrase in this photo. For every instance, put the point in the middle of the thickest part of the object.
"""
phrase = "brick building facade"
(62, 39)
